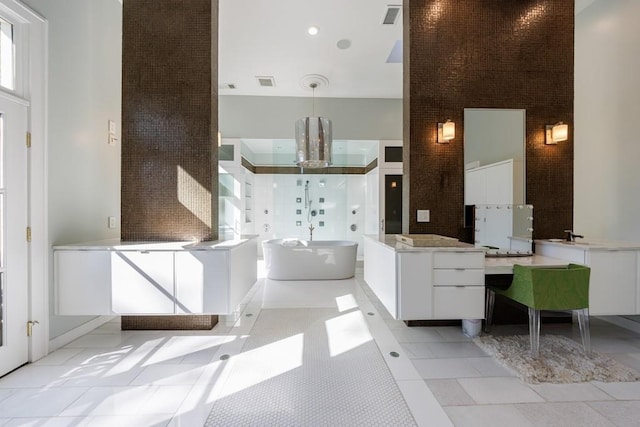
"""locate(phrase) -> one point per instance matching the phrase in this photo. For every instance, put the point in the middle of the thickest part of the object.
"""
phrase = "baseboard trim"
(76, 333)
(622, 322)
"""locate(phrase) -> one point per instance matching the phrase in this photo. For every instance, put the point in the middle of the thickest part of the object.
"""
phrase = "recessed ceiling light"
(313, 30)
(344, 44)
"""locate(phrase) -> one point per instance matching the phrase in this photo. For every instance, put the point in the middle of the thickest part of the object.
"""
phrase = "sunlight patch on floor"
(347, 332)
(346, 303)
(263, 363)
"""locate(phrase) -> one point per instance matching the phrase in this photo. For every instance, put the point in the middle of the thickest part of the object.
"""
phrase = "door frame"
(386, 168)
(32, 87)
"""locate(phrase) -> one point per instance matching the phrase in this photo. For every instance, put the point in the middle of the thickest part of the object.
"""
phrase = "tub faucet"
(571, 236)
(311, 227)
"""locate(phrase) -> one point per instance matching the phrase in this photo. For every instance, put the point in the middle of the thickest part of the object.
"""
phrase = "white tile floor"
(153, 378)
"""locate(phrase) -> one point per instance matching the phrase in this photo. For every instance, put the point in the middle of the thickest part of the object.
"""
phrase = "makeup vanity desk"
(504, 265)
(436, 282)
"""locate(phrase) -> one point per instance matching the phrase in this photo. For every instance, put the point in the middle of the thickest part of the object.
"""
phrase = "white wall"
(607, 125)
(372, 203)
(274, 117)
(84, 81)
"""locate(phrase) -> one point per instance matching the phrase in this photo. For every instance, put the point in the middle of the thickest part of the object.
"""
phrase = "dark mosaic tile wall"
(169, 120)
(487, 54)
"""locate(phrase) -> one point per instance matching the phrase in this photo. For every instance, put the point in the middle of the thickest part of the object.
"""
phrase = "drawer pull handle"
(459, 269)
(460, 286)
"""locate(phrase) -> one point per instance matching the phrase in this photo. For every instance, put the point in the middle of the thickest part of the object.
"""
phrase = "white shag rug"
(561, 360)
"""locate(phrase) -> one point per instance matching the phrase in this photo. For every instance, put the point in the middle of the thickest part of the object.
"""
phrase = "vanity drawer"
(451, 259)
(458, 276)
(458, 302)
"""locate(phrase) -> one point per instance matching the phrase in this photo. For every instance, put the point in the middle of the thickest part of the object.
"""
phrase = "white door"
(13, 239)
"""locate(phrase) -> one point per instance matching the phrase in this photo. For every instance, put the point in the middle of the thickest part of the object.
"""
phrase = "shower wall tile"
(276, 206)
(169, 118)
(487, 54)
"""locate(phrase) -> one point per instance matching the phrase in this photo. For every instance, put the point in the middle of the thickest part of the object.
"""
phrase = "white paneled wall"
(607, 129)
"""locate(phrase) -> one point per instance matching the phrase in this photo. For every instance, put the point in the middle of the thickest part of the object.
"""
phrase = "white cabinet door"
(474, 187)
(190, 272)
(415, 293)
(499, 184)
(82, 282)
(613, 284)
(142, 282)
(494, 184)
(458, 302)
(202, 282)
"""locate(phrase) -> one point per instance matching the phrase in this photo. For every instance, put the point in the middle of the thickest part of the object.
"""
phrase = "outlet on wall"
(112, 222)
(424, 215)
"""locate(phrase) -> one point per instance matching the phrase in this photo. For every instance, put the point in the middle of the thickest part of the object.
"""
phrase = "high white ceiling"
(269, 38)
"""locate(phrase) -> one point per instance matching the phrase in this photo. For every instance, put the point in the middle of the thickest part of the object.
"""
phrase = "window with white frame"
(7, 56)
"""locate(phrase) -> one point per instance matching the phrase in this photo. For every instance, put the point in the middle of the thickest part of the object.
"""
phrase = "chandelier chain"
(313, 98)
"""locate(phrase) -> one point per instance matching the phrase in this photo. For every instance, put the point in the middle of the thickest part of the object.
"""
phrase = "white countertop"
(118, 245)
(504, 265)
(391, 242)
(590, 244)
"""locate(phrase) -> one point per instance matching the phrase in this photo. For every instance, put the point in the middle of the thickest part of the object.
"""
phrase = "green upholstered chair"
(547, 289)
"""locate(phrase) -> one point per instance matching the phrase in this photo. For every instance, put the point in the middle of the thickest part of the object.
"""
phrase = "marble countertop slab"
(118, 245)
(591, 244)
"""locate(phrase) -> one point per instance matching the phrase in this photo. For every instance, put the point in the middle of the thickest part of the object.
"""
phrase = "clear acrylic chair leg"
(534, 331)
(583, 322)
(488, 309)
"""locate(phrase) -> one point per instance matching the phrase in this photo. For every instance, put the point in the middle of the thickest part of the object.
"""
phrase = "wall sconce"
(446, 131)
(556, 133)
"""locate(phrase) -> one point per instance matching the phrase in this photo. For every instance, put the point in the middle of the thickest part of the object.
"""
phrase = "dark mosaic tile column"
(169, 120)
(487, 54)
(169, 127)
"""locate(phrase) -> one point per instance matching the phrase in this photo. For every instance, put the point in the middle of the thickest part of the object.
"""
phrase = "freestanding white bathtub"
(292, 259)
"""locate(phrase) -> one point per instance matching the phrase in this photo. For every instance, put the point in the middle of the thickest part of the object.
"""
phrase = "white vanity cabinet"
(458, 285)
(86, 276)
(426, 283)
(414, 286)
(614, 286)
(170, 278)
(142, 282)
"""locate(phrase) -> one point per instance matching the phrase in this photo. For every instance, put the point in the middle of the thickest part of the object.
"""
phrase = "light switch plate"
(112, 127)
(423, 215)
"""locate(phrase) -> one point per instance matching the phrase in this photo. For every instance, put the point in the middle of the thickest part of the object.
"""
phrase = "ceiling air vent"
(391, 16)
(227, 86)
(266, 81)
